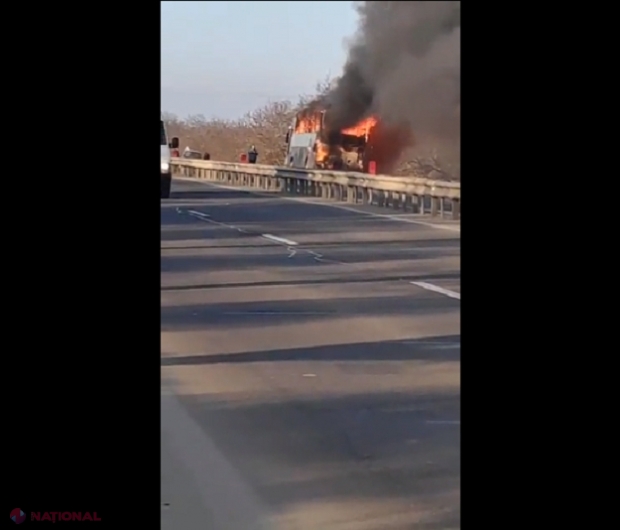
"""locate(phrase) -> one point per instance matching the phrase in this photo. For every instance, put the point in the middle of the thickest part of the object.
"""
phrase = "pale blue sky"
(225, 58)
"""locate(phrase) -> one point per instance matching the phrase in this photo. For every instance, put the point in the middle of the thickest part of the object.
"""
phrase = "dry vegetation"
(266, 128)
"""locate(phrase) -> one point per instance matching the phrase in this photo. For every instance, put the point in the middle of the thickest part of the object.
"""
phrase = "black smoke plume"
(404, 67)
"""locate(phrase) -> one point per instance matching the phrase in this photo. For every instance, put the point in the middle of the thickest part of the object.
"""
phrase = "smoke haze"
(404, 67)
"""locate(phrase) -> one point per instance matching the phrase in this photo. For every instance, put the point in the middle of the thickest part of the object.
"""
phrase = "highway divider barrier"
(417, 195)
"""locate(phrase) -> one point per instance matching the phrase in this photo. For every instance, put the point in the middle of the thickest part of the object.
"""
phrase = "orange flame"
(322, 152)
(312, 122)
(309, 123)
(362, 128)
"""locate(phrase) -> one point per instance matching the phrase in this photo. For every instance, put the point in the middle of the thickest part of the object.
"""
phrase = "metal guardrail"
(418, 195)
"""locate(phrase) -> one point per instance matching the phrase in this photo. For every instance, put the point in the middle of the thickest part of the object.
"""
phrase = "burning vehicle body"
(311, 145)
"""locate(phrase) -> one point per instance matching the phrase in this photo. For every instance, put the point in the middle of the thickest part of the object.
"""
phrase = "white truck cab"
(166, 170)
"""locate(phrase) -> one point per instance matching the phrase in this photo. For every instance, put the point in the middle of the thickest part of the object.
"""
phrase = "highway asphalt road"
(307, 383)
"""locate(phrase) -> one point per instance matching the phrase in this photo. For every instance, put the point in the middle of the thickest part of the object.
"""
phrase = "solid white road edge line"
(229, 499)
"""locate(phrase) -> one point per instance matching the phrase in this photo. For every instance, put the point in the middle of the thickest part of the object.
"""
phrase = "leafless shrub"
(266, 129)
(429, 165)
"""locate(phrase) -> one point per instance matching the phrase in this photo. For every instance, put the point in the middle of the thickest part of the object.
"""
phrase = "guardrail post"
(456, 209)
(434, 206)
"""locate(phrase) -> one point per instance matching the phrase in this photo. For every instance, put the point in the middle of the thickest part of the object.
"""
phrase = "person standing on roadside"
(252, 155)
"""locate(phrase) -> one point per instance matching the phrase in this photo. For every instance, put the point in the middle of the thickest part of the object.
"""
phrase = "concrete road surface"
(310, 364)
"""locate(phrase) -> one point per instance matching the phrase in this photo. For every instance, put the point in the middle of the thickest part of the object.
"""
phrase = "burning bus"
(311, 146)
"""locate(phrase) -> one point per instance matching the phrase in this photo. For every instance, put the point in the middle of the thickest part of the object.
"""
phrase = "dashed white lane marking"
(318, 257)
(437, 289)
(207, 219)
(282, 240)
(398, 218)
(194, 213)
